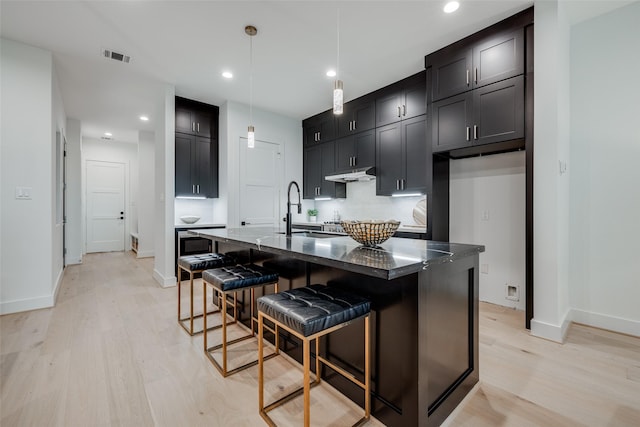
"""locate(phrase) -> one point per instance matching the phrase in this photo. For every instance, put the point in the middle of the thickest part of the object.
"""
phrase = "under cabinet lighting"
(191, 197)
(144, 118)
(227, 74)
(108, 134)
(450, 7)
(406, 194)
(331, 73)
(322, 198)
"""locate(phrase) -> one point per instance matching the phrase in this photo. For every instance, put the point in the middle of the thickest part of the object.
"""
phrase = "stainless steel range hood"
(359, 174)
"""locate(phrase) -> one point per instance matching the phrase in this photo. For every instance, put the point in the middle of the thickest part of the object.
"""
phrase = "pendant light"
(251, 134)
(338, 93)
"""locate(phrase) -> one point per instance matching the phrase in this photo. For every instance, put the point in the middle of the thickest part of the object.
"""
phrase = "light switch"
(23, 193)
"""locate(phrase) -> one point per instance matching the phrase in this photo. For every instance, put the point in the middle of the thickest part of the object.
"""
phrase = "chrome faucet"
(288, 219)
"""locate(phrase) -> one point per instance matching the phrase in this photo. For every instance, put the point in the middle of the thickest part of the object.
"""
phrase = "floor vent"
(121, 57)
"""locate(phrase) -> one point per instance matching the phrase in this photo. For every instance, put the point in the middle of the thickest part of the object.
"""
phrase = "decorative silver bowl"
(370, 233)
(189, 219)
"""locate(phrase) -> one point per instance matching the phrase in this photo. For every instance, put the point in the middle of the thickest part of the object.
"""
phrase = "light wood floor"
(111, 353)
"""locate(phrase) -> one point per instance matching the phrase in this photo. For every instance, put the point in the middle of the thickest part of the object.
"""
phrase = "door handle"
(354, 125)
(468, 133)
(398, 111)
(193, 189)
(404, 110)
(467, 77)
(475, 131)
(198, 127)
(193, 126)
(198, 188)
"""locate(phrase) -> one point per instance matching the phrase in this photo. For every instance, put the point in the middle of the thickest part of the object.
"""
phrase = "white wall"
(112, 151)
(204, 208)
(73, 228)
(551, 204)
(146, 190)
(605, 172)
(26, 84)
(58, 122)
(362, 203)
(164, 233)
(270, 127)
(487, 206)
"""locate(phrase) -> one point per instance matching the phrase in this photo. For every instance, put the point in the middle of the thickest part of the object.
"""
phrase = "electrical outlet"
(484, 268)
(485, 215)
(512, 292)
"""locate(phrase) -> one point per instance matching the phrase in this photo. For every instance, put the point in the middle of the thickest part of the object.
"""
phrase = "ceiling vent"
(121, 57)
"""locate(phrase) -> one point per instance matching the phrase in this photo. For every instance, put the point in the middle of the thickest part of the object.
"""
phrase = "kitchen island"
(424, 300)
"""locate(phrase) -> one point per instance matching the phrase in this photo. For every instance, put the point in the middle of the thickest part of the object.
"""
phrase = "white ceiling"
(189, 43)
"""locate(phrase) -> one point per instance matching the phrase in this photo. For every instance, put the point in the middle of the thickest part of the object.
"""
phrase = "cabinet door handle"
(354, 125)
(193, 126)
(468, 133)
(404, 110)
(198, 188)
(476, 75)
(355, 161)
(193, 189)
(467, 77)
(198, 127)
(319, 136)
(475, 131)
(398, 111)
(404, 182)
(397, 184)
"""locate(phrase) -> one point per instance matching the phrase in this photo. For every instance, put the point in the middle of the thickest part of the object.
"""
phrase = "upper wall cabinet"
(456, 69)
(196, 149)
(402, 100)
(195, 118)
(359, 115)
(319, 128)
(493, 113)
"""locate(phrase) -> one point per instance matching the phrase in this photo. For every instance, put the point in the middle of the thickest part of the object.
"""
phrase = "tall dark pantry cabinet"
(480, 102)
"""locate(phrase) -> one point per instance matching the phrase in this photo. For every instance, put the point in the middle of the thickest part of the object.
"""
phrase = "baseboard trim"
(550, 331)
(165, 282)
(58, 286)
(73, 259)
(605, 321)
(27, 304)
(145, 254)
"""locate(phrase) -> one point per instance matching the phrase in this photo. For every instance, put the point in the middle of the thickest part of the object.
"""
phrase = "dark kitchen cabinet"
(457, 69)
(194, 122)
(490, 114)
(402, 157)
(196, 149)
(356, 151)
(319, 128)
(318, 162)
(359, 115)
(402, 100)
(196, 166)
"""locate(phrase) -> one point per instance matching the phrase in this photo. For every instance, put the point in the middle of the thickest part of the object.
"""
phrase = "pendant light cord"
(251, 80)
(338, 47)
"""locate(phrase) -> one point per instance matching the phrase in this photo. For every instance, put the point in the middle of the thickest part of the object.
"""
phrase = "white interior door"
(105, 206)
(260, 177)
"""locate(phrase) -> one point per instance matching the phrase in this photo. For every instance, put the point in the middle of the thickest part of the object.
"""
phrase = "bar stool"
(311, 313)
(230, 280)
(193, 264)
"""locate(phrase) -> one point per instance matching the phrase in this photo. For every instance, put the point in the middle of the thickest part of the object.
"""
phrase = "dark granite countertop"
(394, 258)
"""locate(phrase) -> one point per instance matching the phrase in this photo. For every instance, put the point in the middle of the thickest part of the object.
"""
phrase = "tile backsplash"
(362, 203)
(198, 207)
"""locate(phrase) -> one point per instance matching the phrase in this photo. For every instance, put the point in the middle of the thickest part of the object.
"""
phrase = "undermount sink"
(316, 234)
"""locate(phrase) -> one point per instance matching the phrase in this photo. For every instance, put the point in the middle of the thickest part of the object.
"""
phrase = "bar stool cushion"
(204, 261)
(313, 308)
(239, 276)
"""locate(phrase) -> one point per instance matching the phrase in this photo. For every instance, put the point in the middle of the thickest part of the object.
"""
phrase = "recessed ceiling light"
(227, 74)
(331, 73)
(144, 118)
(108, 134)
(452, 6)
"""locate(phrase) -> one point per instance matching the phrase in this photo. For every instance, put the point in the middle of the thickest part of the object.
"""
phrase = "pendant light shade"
(251, 31)
(251, 137)
(338, 97)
